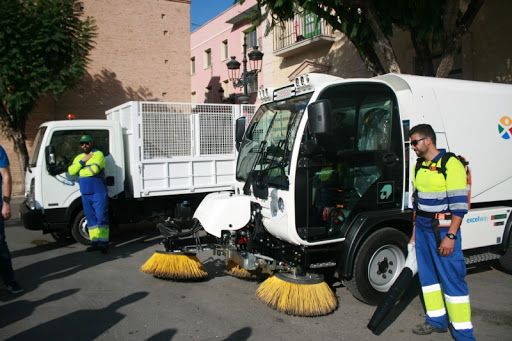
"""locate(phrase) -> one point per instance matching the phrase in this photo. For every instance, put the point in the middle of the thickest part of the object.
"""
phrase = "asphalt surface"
(74, 295)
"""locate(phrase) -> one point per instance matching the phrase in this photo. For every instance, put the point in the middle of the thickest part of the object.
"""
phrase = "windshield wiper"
(259, 155)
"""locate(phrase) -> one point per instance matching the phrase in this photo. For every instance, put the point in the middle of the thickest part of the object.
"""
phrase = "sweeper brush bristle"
(299, 299)
(236, 270)
(175, 266)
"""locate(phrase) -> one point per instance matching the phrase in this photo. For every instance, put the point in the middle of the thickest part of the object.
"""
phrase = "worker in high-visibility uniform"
(90, 167)
(440, 203)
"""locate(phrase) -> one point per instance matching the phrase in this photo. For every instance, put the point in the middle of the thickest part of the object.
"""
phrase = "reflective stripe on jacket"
(437, 194)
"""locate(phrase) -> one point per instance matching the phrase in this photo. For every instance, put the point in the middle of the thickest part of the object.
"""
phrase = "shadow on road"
(164, 335)
(21, 309)
(33, 275)
(240, 335)
(86, 324)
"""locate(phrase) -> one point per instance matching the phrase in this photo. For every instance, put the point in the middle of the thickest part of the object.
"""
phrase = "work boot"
(92, 248)
(426, 329)
(14, 288)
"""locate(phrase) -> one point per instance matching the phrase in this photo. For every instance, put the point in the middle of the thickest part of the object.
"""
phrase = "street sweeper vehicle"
(324, 186)
(161, 160)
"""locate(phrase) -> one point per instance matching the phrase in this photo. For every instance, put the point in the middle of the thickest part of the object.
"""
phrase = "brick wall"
(142, 52)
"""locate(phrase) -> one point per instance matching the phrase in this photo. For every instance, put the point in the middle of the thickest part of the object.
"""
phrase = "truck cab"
(52, 195)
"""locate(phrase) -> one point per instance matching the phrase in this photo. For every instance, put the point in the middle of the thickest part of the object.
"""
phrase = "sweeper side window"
(352, 168)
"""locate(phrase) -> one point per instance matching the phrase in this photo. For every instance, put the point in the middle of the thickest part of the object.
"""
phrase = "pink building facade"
(212, 46)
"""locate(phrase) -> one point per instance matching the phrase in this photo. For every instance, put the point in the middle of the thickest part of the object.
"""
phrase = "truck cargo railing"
(181, 147)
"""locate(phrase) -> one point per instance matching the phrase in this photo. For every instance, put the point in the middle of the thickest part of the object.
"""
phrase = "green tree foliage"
(44, 46)
(435, 27)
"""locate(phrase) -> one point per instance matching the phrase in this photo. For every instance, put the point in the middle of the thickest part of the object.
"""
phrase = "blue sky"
(203, 10)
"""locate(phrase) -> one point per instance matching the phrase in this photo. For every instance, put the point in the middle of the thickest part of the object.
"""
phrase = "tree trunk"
(446, 64)
(423, 62)
(370, 59)
(382, 44)
(20, 147)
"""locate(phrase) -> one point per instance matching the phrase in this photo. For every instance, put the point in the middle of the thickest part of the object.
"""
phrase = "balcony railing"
(300, 30)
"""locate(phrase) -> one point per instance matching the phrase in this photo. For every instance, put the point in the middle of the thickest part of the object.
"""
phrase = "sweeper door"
(355, 165)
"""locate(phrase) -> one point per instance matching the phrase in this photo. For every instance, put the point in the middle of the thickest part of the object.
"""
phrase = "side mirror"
(51, 162)
(239, 131)
(320, 117)
(50, 156)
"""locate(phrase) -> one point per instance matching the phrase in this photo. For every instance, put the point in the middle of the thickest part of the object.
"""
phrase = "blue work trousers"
(442, 281)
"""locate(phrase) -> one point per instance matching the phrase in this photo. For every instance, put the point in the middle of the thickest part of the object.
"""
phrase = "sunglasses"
(84, 143)
(415, 142)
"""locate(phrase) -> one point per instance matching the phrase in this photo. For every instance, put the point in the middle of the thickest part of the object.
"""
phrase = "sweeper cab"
(324, 178)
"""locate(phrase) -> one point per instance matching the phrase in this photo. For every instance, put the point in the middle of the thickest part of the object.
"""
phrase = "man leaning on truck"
(90, 167)
(440, 203)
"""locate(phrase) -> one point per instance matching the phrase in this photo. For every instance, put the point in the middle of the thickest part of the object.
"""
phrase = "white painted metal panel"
(178, 148)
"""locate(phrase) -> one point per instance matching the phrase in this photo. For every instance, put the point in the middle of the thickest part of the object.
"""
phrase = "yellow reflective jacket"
(91, 173)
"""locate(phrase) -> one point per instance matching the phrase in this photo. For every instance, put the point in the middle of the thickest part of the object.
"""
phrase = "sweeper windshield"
(268, 143)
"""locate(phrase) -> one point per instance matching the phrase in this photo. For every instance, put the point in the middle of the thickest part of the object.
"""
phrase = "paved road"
(74, 295)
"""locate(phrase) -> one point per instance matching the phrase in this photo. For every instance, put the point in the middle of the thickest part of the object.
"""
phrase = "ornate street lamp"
(239, 81)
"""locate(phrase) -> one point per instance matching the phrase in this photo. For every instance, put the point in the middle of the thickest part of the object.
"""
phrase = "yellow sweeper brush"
(175, 266)
(298, 295)
(236, 270)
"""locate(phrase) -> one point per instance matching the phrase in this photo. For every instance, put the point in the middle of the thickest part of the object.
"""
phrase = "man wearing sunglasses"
(440, 203)
(90, 168)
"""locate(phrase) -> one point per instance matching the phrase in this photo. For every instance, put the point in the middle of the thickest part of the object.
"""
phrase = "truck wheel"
(79, 229)
(378, 263)
(63, 237)
(506, 260)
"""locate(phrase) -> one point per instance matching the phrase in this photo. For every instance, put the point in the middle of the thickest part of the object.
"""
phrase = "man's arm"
(456, 188)
(6, 189)
(75, 166)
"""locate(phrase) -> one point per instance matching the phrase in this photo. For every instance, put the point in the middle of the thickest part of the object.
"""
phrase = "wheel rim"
(385, 266)
(82, 227)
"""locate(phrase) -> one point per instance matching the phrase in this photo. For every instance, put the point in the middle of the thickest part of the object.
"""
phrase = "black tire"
(378, 263)
(79, 229)
(506, 261)
(63, 237)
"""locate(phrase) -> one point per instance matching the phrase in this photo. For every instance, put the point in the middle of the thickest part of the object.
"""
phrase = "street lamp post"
(255, 57)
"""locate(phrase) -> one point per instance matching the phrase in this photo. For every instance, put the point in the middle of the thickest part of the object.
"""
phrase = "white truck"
(324, 177)
(162, 158)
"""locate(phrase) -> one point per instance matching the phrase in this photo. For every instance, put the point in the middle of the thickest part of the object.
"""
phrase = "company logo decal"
(385, 192)
(505, 127)
(496, 220)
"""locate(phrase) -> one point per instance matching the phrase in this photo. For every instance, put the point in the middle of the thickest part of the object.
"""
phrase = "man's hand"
(87, 157)
(446, 247)
(6, 211)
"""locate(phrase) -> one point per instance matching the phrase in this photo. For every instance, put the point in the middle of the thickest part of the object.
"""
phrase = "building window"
(193, 65)
(224, 50)
(207, 58)
(252, 39)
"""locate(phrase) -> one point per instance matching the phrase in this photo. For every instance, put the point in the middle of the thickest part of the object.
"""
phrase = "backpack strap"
(419, 165)
(444, 159)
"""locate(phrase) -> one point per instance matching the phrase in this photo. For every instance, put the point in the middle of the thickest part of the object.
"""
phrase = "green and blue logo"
(505, 127)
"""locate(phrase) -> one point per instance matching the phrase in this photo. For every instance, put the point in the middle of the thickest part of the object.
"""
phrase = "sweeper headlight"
(266, 95)
(302, 84)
